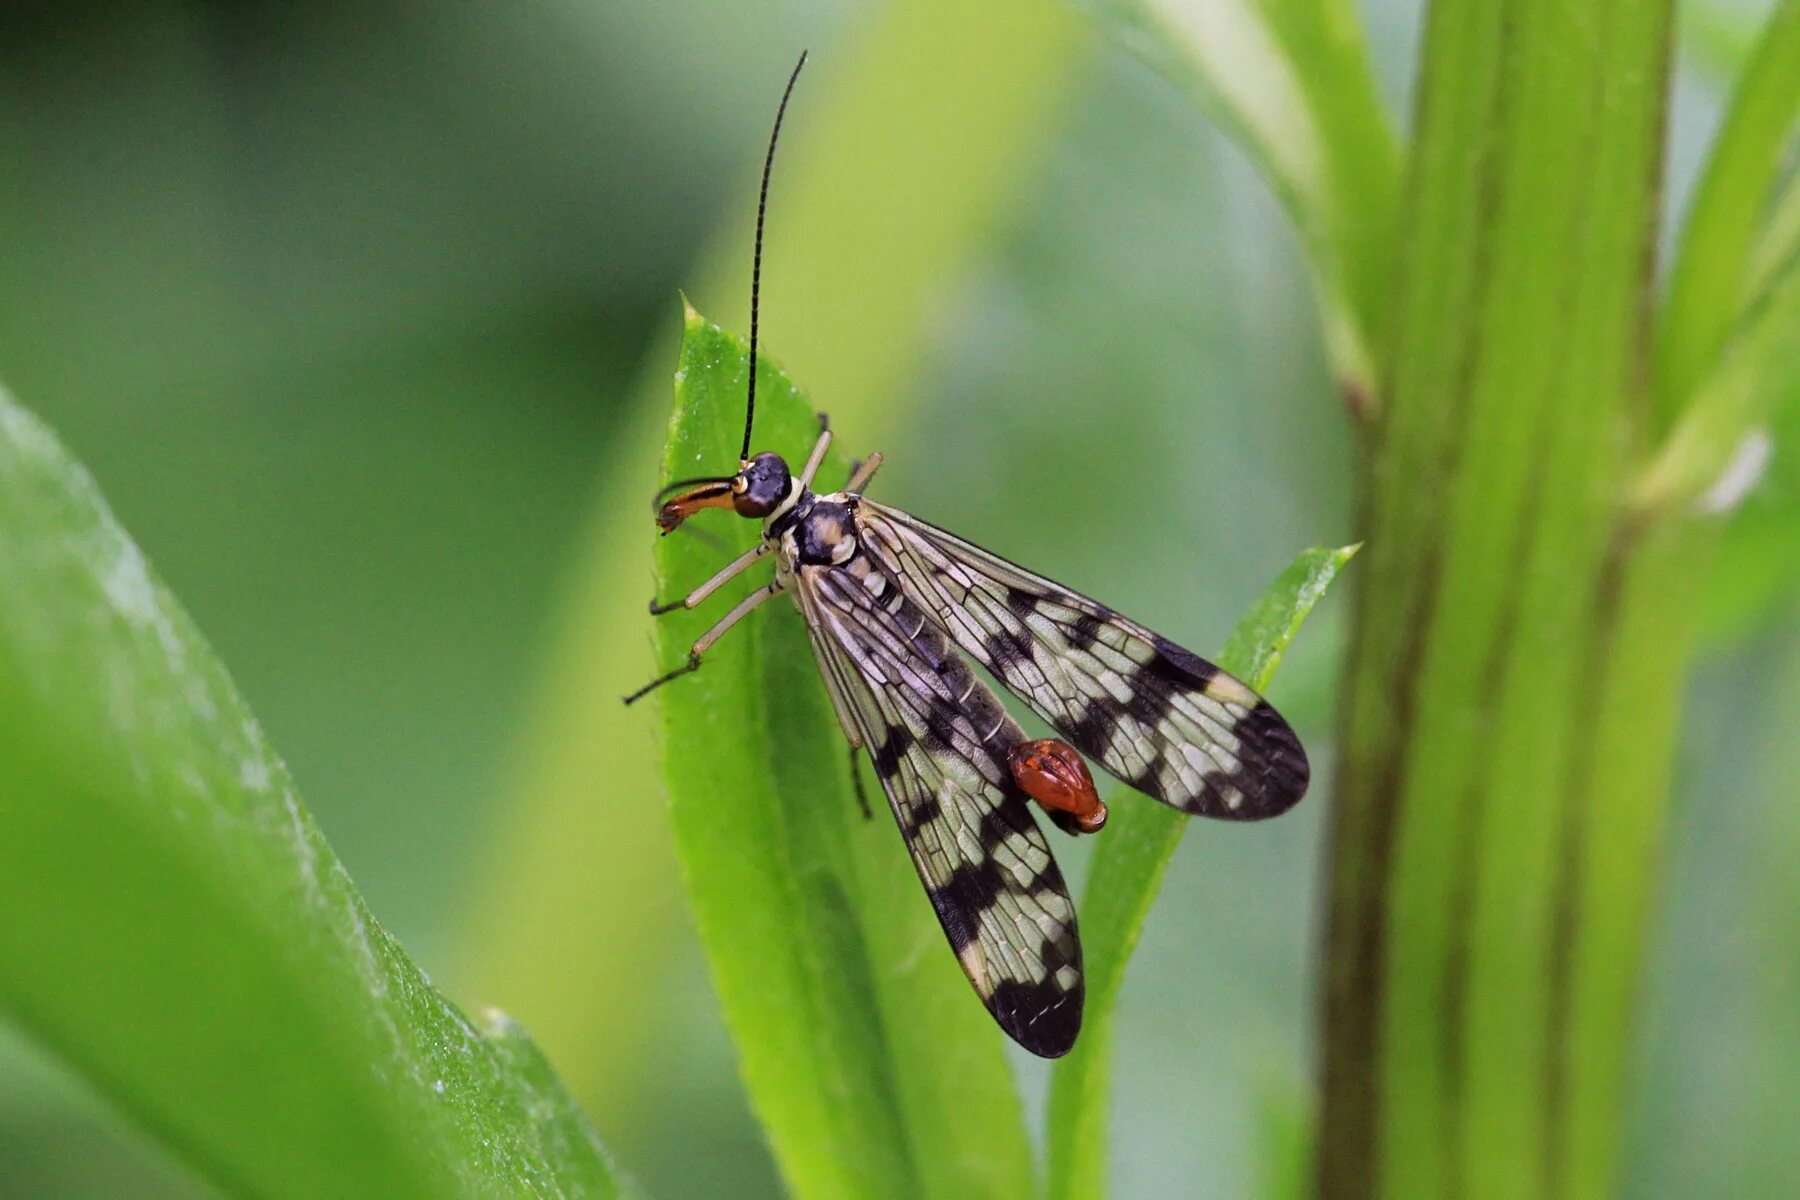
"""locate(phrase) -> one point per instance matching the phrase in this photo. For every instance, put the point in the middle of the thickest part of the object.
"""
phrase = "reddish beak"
(679, 508)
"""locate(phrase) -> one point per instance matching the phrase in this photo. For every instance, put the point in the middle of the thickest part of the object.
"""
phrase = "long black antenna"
(762, 203)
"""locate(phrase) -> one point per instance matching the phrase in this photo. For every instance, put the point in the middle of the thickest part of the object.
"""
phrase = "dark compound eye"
(765, 485)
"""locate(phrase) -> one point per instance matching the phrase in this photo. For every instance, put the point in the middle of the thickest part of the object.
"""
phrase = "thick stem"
(1491, 613)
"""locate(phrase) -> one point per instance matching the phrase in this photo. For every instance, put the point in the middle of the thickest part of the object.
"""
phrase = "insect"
(895, 608)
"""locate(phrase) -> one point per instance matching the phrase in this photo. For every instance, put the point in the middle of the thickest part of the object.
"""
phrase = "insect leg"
(818, 452)
(840, 704)
(862, 797)
(692, 664)
(865, 471)
(836, 687)
(735, 567)
(739, 611)
(742, 609)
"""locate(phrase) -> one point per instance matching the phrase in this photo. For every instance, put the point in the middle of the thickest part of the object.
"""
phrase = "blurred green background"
(349, 307)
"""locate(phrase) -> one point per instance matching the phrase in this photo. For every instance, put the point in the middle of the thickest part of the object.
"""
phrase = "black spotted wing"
(1161, 718)
(938, 739)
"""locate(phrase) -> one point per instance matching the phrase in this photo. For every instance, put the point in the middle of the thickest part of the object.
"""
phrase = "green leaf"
(1777, 246)
(1128, 865)
(1758, 367)
(872, 1065)
(1709, 287)
(1291, 80)
(1758, 565)
(179, 932)
(1757, 572)
(1754, 369)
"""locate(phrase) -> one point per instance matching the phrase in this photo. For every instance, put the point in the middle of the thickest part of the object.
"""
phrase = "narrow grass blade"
(1758, 565)
(1128, 865)
(1714, 37)
(1709, 286)
(179, 932)
(1755, 371)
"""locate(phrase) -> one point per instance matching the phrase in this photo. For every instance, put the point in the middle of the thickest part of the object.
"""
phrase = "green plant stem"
(1614, 820)
(1471, 734)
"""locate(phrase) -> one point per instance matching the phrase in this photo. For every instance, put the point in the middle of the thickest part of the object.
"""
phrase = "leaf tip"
(496, 1022)
(690, 316)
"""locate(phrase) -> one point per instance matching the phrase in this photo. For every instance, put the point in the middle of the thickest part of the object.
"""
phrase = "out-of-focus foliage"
(178, 929)
(1728, 275)
(1292, 80)
(1734, 307)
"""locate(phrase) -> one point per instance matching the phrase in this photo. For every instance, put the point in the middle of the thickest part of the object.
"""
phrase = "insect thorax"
(818, 531)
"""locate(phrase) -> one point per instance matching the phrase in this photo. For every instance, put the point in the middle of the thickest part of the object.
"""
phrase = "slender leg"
(818, 453)
(865, 471)
(731, 570)
(862, 797)
(840, 704)
(742, 609)
(739, 611)
(691, 665)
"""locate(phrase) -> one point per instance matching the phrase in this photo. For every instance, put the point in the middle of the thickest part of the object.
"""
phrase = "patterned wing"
(938, 739)
(1157, 716)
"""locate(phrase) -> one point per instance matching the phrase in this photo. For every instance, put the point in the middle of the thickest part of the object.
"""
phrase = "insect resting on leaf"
(892, 606)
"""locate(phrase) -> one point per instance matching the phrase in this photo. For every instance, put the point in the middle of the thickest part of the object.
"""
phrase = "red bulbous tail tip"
(1052, 773)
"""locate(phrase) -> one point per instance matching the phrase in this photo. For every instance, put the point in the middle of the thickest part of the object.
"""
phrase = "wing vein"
(1160, 717)
(920, 712)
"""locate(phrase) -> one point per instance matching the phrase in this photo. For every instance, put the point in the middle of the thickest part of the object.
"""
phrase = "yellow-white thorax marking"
(813, 530)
